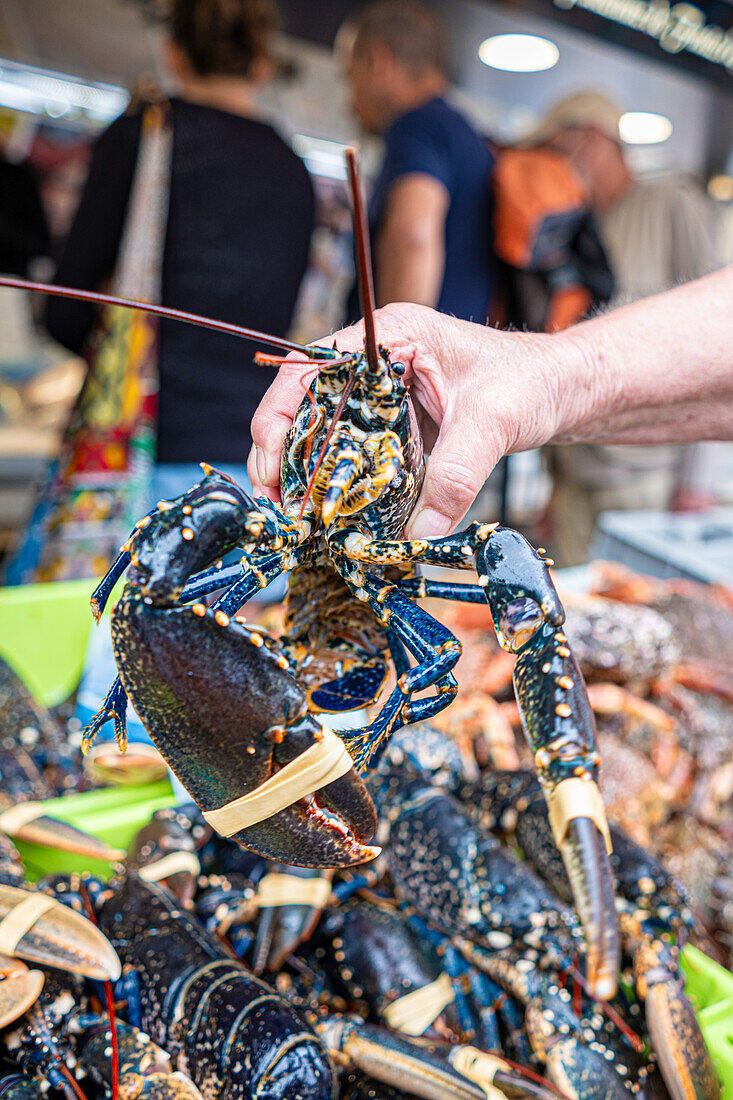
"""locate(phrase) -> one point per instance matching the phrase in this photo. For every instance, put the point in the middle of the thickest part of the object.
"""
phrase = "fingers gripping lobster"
(235, 713)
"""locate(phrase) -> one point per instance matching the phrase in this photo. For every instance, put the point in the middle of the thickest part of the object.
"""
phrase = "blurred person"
(430, 210)
(24, 232)
(240, 212)
(656, 234)
(24, 238)
(655, 371)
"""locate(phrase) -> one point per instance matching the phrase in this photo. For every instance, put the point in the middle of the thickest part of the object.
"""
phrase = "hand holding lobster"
(234, 712)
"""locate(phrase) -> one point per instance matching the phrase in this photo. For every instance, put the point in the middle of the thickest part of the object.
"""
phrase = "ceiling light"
(40, 92)
(644, 128)
(519, 53)
(721, 188)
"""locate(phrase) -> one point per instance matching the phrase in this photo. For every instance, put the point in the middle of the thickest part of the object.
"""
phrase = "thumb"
(462, 458)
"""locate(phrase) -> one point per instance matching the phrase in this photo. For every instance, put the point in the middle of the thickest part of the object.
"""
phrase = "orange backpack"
(553, 266)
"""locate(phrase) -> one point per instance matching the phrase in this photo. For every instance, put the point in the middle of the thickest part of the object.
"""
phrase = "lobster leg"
(553, 703)
(421, 588)
(252, 581)
(481, 988)
(433, 646)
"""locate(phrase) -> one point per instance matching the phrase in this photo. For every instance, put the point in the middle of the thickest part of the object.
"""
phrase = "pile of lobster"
(442, 964)
(656, 656)
(452, 964)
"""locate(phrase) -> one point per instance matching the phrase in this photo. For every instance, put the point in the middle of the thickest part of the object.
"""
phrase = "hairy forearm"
(657, 371)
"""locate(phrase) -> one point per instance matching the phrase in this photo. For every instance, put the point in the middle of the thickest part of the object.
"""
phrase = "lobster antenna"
(363, 260)
(166, 311)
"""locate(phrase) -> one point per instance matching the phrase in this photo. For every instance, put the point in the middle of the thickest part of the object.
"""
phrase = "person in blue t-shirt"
(430, 210)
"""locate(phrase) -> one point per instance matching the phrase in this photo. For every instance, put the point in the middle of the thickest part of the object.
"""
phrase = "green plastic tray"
(43, 635)
(114, 814)
(710, 988)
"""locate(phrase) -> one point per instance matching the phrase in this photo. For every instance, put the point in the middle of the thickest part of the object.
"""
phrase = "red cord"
(532, 1076)
(110, 1003)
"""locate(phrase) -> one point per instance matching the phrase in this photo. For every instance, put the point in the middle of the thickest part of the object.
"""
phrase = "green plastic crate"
(113, 814)
(43, 635)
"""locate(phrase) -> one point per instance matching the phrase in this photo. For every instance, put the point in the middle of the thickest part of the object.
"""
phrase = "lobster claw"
(559, 724)
(26, 821)
(218, 702)
(417, 1068)
(291, 901)
(20, 988)
(163, 851)
(36, 927)
(684, 1060)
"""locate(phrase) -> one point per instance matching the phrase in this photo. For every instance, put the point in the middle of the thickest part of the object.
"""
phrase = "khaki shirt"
(659, 234)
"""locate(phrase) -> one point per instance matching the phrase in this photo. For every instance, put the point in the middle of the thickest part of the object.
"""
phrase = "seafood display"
(235, 712)
(429, 905)
(447, 966)
(656, 657)
(453, 963)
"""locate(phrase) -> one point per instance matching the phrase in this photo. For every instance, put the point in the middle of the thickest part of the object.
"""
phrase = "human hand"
(481, 388)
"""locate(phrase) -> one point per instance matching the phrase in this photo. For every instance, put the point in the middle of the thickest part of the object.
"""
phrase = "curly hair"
(223, 37)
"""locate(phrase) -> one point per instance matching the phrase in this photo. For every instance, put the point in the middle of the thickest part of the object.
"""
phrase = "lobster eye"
(520, 620)
(138, 575)
(398, 369)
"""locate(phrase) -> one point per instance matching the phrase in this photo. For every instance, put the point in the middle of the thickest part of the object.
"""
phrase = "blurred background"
(67, 70)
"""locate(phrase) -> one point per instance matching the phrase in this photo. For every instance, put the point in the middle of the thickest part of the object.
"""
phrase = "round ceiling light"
(519, 53)
(644, 128)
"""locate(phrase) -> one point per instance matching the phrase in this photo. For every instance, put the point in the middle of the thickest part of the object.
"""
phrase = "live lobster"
(235, 713)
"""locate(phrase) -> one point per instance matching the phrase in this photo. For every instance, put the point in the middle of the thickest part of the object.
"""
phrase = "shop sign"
(676, 27)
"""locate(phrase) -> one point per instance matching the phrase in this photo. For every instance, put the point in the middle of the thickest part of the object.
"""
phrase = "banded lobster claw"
(221, 707)
(38, 928)
(216, 695)
(558, 722)
(218, 701)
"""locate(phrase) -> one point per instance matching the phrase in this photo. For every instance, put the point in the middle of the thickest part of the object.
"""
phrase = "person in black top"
(239, 224)
(23, 228)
